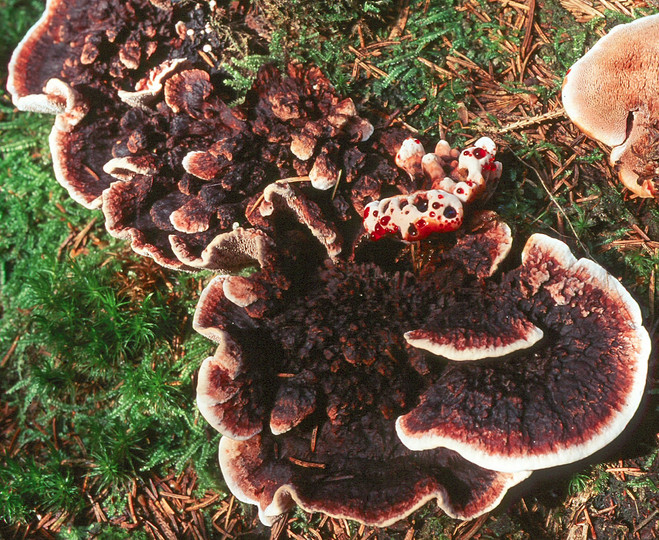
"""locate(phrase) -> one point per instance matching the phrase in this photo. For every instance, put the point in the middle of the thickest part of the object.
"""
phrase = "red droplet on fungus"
(479, 153)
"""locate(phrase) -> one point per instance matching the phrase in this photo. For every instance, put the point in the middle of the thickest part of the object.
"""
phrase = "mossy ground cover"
(99, 435)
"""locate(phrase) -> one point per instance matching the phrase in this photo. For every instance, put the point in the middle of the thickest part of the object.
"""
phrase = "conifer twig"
(533, 120)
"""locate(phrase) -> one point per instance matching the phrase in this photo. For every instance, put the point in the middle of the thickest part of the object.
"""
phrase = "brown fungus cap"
(76, 62)
(612, 95)
(187, 92)
(317, 367)
(492, 326)
(337, 330)
(284, 195)
(176, 215)
(70, 166)
(147, 89)
(126, 168)
(87, 45)
(489, 330)
(561, 401)
(482, 244)
(130, 216)
(80, 153)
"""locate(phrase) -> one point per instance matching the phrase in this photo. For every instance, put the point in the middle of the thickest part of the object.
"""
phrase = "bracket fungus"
(92, 49)
(611, 94)
(378, 488)
(143, 132)
(309, 380)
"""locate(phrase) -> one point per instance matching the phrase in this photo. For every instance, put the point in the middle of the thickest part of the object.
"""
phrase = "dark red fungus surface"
(308, 372)
(554, 403)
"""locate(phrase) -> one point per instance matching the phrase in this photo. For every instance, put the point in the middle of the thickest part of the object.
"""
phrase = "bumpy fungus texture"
(309, 379)
(612, 95)
(284, 195)
(143, 132)
(323, 381)
(98, 51)
(482, 244)
(556, 403)
(94, 48)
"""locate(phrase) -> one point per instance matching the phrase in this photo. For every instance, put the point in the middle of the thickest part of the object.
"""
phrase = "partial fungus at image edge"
(612, 95)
